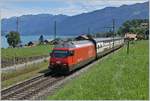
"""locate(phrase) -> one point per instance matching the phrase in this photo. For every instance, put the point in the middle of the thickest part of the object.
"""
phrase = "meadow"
(39, 50)
(13, 56)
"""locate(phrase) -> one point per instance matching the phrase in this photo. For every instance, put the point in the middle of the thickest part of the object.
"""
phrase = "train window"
(60, 53)
(71, 53)
(99, 45)
(51, 54)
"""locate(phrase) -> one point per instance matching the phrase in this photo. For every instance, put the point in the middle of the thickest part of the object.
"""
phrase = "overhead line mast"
(17, 26)
(55, 30)
(113, 29)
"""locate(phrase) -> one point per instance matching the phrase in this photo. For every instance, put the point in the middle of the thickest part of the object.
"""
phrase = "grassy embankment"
(120, 76)
(12, 77)
(29, 71)
(40, 50)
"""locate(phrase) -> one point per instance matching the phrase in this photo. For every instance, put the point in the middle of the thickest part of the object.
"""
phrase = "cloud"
(11, 8)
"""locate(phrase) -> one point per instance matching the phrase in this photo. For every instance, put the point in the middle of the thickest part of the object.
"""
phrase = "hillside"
(32, 24)
(78, 24)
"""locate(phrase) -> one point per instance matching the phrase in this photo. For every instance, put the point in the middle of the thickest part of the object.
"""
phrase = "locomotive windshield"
(60, 53)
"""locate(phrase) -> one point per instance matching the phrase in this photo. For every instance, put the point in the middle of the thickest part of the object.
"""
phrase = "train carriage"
(106, 45)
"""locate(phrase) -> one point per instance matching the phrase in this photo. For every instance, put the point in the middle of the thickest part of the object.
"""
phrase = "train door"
(71, 57)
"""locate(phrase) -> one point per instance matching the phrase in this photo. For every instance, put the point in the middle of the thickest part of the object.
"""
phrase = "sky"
(10, 8)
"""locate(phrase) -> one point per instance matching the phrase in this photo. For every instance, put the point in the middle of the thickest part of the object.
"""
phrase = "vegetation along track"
(31, 87)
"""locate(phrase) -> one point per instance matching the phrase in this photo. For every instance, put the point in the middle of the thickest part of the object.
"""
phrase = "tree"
(133, 26)
(147, 34)
(13, 38)
(41, 39)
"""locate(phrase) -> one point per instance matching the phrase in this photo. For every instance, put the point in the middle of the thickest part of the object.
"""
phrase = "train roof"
(73, 44)
(81, 43)
(106, 39)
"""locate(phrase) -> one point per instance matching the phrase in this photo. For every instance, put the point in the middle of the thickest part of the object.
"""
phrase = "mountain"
(32, 24)
(78, 24)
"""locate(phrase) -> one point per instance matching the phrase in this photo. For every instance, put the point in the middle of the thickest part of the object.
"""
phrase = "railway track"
(29, 88)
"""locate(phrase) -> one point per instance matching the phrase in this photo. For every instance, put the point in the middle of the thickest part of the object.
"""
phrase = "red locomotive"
(67, 56)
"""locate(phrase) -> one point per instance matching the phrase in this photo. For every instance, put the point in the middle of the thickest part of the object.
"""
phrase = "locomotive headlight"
(65, 64)
(52, 63)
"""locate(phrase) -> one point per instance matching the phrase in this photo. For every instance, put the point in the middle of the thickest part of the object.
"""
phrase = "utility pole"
(88, 30)
(17, 22)
(113, 30)
(113, 27)
(128, 46)
(55, 30)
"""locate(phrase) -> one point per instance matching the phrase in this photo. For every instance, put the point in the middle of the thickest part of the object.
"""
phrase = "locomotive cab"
(60, 60)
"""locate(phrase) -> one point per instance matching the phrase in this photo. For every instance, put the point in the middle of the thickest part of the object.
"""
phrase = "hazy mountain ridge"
(78, 24)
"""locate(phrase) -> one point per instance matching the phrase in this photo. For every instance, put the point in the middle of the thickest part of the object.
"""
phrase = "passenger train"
(68, 56)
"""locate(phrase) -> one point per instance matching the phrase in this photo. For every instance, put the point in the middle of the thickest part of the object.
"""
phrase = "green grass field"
(120, 76)
(26, 52)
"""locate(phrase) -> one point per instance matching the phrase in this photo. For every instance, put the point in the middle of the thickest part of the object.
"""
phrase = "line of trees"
(134, 26)
(14, 40)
